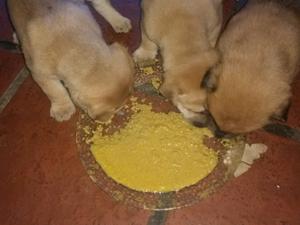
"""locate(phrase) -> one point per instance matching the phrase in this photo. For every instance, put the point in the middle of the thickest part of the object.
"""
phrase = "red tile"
(10, 65)
(268, 194)
(42, 179)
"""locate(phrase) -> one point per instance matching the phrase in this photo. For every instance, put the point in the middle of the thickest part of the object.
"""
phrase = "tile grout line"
(158, 218)
(13, 88)
(283, 130)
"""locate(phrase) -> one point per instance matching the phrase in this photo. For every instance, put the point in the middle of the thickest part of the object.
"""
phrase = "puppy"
(63, 47)
(186, 33)
(261, 56)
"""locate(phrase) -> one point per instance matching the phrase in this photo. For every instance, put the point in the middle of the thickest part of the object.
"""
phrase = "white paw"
(62, 112)
(144, 55)
(121, 24)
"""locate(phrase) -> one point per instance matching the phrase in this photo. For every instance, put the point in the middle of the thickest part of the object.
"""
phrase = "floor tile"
(10, 65)
(268, 194)
(42, 179)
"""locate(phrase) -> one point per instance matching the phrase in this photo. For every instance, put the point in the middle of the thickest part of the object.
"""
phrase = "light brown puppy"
(63, 47)
(186, 33)
(261, 57)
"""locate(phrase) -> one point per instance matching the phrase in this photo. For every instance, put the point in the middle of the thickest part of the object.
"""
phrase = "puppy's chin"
(198, 119)
(102, 116)
(100, 112)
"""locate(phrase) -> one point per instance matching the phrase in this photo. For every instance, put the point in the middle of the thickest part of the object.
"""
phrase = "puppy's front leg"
(62, 107)
(120, 23)
(147, 50)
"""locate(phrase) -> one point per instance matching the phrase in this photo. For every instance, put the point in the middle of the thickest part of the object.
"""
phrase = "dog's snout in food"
(219, 133)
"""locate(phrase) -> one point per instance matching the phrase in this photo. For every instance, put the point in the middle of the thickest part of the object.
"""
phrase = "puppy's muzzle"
(219, 133)
(213, 126)
(201, 120)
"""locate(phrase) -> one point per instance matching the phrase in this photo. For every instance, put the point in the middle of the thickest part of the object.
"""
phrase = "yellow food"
(155, 152)
(147, 70)
(156, 82)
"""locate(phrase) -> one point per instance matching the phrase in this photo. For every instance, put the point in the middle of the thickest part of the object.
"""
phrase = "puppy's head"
(103, 108)
(184, 85)
(244, 102)
(109, 86)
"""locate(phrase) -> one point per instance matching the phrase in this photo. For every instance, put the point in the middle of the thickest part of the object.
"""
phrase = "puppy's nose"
(201, 119)
(219, 133)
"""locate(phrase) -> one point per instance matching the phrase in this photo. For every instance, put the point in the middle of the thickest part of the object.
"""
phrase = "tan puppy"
(62, 43)
(261, 56)
(186, 33)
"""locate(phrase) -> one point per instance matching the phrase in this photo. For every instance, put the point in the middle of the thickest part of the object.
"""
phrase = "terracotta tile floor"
(43, 182)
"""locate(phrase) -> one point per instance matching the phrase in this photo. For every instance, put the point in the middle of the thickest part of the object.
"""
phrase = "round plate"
(146, 93)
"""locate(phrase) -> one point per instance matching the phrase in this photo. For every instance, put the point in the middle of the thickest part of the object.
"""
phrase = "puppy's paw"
(62, 112)
(121, 24)
(145, 56)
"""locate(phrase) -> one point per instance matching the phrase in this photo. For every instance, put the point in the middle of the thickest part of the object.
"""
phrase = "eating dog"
(186, 33)
(65, 51)
(260, 50)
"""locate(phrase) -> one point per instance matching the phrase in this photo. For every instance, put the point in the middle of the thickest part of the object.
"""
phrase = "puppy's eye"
(208, 81)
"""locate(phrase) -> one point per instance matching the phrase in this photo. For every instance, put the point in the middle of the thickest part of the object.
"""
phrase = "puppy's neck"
(175, 55)
(180, 58)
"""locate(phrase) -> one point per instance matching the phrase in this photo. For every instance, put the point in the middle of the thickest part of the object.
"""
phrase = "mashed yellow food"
(155, 152)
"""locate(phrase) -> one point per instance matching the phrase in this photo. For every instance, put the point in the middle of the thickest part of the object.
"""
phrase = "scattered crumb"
(87, 130)
(156, 82)
(133, 99)
(147, 70)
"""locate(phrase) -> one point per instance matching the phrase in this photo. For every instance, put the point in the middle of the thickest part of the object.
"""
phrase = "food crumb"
(147, 70)
(156, 82)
